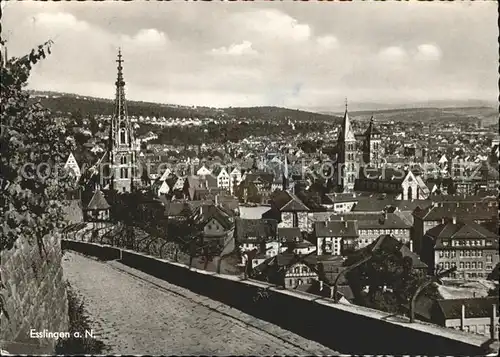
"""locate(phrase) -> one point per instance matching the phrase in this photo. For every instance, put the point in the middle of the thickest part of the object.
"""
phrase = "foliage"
(32, 197)
(78, 322)
(386, 269)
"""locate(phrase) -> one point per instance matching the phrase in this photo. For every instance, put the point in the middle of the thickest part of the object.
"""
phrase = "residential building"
(370, 226)
(340, 202)
(482, 212)
(288, 270)
(288, 210)
(474, 315)
(468, 246)
(330, 236)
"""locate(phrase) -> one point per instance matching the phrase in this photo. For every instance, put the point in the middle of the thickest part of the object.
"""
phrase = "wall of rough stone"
(348, 329)
(35, 296)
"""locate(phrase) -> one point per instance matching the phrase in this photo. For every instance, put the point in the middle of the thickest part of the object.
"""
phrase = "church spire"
(122, 148)
(346, 132)
(285, 173)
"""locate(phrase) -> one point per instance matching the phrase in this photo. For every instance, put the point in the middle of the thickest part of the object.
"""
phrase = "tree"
(385, 269)
(93, 125)
(34, 149)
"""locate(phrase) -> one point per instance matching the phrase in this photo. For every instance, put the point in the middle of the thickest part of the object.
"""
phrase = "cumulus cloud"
(327, 42)
(244, 48)
(428, 52)
(59, 21)
(271, 25)
(150, 37)
(393, 53)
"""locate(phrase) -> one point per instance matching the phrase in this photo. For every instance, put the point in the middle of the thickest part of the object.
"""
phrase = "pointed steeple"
(372, 129)
(346, 132)
(122, 149)
(285, 173)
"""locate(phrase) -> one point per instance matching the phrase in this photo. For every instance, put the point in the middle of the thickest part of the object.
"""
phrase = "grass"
(78, 322)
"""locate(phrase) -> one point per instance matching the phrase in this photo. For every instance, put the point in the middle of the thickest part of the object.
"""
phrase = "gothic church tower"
(372, 146)
(123, 174)
(346, 171)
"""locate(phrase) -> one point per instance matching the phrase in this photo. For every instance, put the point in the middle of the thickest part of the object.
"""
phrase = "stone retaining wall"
(35, 296)
(349, 329)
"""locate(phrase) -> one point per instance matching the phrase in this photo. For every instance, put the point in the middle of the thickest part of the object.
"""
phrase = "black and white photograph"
(249, 178)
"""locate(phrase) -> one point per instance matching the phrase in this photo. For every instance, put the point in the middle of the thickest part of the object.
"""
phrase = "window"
(480, 265)
(304, 270)
(467, 265)
(296, 270)
(461, 254)
(461, 265)
(473, 265)
(123, 136)
(123, 160)
(489, 258)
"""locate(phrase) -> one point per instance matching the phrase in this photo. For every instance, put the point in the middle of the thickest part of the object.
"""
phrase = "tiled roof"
(469, 211)
(460, 230)
(287, 202)
(373, 221)
(211, 211)
(342, 197)
(336, 229)
(369, 204)
(474, 307)
(245, 228)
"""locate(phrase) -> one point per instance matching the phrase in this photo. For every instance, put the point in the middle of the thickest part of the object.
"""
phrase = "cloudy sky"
(294, 54)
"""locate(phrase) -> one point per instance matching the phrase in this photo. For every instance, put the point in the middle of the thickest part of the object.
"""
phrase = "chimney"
(216, 200)
(462, 318)
(411, 245)
(345, 224)
(454, 220)
(442, 221)
(493, 322)
(342, 218)
(321, 285)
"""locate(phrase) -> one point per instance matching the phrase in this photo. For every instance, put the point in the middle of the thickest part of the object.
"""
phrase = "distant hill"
(86, 105)
(488, 115)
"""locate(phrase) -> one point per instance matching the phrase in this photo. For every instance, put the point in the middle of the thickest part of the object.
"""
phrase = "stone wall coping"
(457, 335)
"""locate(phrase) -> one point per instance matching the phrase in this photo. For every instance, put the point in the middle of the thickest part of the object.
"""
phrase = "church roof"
(372, 129)
(346, 132)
